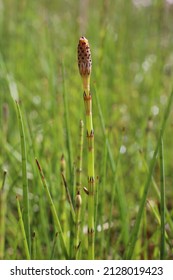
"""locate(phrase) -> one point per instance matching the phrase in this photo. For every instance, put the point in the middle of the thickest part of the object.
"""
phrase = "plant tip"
(84, 57)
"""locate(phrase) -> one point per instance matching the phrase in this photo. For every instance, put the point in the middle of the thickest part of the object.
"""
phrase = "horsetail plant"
(78, 199)
(85, 65)
(69, 199)
(79, 159)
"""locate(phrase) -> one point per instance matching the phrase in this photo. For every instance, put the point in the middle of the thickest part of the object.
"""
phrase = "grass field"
(41, 106)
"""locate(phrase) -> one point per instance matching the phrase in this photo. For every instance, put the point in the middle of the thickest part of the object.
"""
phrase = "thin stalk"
(144, 233)
(5, 111)
(155, 212)
(69, 149)
(79, 159)
(68, 197)
(26, 218)
(134, 235)
(96, 194)
(3, 208)
(74, 181)
(63, 217)
(162, 201)
(23, 230)
(77, 224)
(102, 200)
(78, 201)
(53, 210)
(72, 218)
(84, 63)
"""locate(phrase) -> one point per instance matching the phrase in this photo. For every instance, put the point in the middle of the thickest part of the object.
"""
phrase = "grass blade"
(162, 202)
(23, 230)
(63, 216)
(134, 235)
(24, 177)
(156, 189)
(3, 207)
(53, 210)
(68, 197)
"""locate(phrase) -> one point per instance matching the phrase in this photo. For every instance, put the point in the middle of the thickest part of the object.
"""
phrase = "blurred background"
(132, 53)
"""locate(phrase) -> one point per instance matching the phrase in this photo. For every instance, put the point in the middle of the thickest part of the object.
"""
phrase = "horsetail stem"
(24, 177)
(78, 201)
(85, 65)
(72, 218)
(79, 159)
(69, 199)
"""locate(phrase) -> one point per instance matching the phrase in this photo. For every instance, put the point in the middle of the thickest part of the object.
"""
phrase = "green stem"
(23, 230)
(63, 217)
(24, 178)
(53, 210)
(3, 207)
(78, 192)
(91, 175)
(69, 199)
(77, 224)
(79, 160)
(162, 202)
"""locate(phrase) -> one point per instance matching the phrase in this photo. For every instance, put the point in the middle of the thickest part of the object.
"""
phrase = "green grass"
(131, 86)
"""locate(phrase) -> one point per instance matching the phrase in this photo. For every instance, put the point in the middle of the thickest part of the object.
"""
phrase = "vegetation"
(46, 201)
